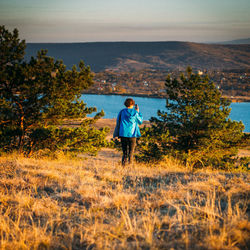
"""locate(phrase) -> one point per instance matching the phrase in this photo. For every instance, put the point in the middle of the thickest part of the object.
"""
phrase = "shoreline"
(233, 99)
(128, 94)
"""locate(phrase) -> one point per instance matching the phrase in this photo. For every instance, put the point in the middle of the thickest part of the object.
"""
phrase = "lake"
(112, 104)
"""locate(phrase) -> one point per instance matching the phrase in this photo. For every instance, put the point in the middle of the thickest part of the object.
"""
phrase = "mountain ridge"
(130, 56)
(237, 41)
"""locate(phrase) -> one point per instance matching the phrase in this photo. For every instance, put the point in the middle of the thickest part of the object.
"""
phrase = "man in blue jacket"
(128, 130)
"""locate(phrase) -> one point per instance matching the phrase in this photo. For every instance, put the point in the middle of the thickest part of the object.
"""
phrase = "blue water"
(112, 104)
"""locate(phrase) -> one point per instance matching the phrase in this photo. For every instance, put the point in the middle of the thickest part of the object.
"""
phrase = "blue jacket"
(127, 123)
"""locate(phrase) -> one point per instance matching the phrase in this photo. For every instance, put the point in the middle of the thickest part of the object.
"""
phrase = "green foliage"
(35, 98)
(195, 128)
(83, 139)
(154, 143)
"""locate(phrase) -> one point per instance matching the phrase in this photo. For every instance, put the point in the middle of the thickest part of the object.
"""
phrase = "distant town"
(234, 84)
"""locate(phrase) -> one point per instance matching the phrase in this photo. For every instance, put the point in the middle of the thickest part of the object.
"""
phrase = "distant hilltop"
(131, 56)
(238, 41)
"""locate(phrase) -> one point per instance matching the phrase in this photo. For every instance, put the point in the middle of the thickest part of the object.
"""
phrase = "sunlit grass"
(96, 203)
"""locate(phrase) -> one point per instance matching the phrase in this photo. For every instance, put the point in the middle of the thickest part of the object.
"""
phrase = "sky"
(127, 20)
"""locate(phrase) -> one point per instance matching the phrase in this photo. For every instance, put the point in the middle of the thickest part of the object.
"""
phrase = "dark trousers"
(128, 148)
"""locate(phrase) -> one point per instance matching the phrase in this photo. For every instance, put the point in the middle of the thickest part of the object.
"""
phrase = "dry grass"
(97, 204)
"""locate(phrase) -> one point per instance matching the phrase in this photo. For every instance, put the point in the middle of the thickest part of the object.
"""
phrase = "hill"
(238, 41)
(130, 56)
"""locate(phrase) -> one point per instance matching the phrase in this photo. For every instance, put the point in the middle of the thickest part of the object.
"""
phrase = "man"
(128, 130)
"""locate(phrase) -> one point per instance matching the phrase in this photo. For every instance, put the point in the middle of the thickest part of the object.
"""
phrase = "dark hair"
(129, 102)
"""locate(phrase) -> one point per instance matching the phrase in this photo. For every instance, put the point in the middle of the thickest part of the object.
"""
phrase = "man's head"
(129, 102)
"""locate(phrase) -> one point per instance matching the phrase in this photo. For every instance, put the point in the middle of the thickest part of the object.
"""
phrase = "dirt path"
(109, 154)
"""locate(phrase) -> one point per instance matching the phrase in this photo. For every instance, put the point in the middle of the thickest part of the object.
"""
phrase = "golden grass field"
(95, 203)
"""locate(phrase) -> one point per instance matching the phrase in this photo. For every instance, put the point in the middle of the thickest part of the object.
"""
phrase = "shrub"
(37, 96)
(195, 127)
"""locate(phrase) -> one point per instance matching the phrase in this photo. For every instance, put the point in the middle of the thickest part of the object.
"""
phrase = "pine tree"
(36, 96)
(195, 127)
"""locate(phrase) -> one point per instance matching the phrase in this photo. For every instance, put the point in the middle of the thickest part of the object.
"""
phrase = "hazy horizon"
(141, 41)
(131, 20)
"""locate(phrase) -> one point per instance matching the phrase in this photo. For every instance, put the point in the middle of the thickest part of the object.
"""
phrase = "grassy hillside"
(94, 203)
(126, 56)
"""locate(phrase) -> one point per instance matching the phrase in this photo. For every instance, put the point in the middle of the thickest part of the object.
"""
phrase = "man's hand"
(137, 107)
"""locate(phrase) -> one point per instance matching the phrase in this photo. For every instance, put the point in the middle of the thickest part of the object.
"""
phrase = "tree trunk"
(21, 136)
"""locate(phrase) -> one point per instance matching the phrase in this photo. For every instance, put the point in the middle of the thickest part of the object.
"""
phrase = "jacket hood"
(130, 114)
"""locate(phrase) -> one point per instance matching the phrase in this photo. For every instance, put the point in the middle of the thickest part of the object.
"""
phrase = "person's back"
(130, 118)
(127, 129)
